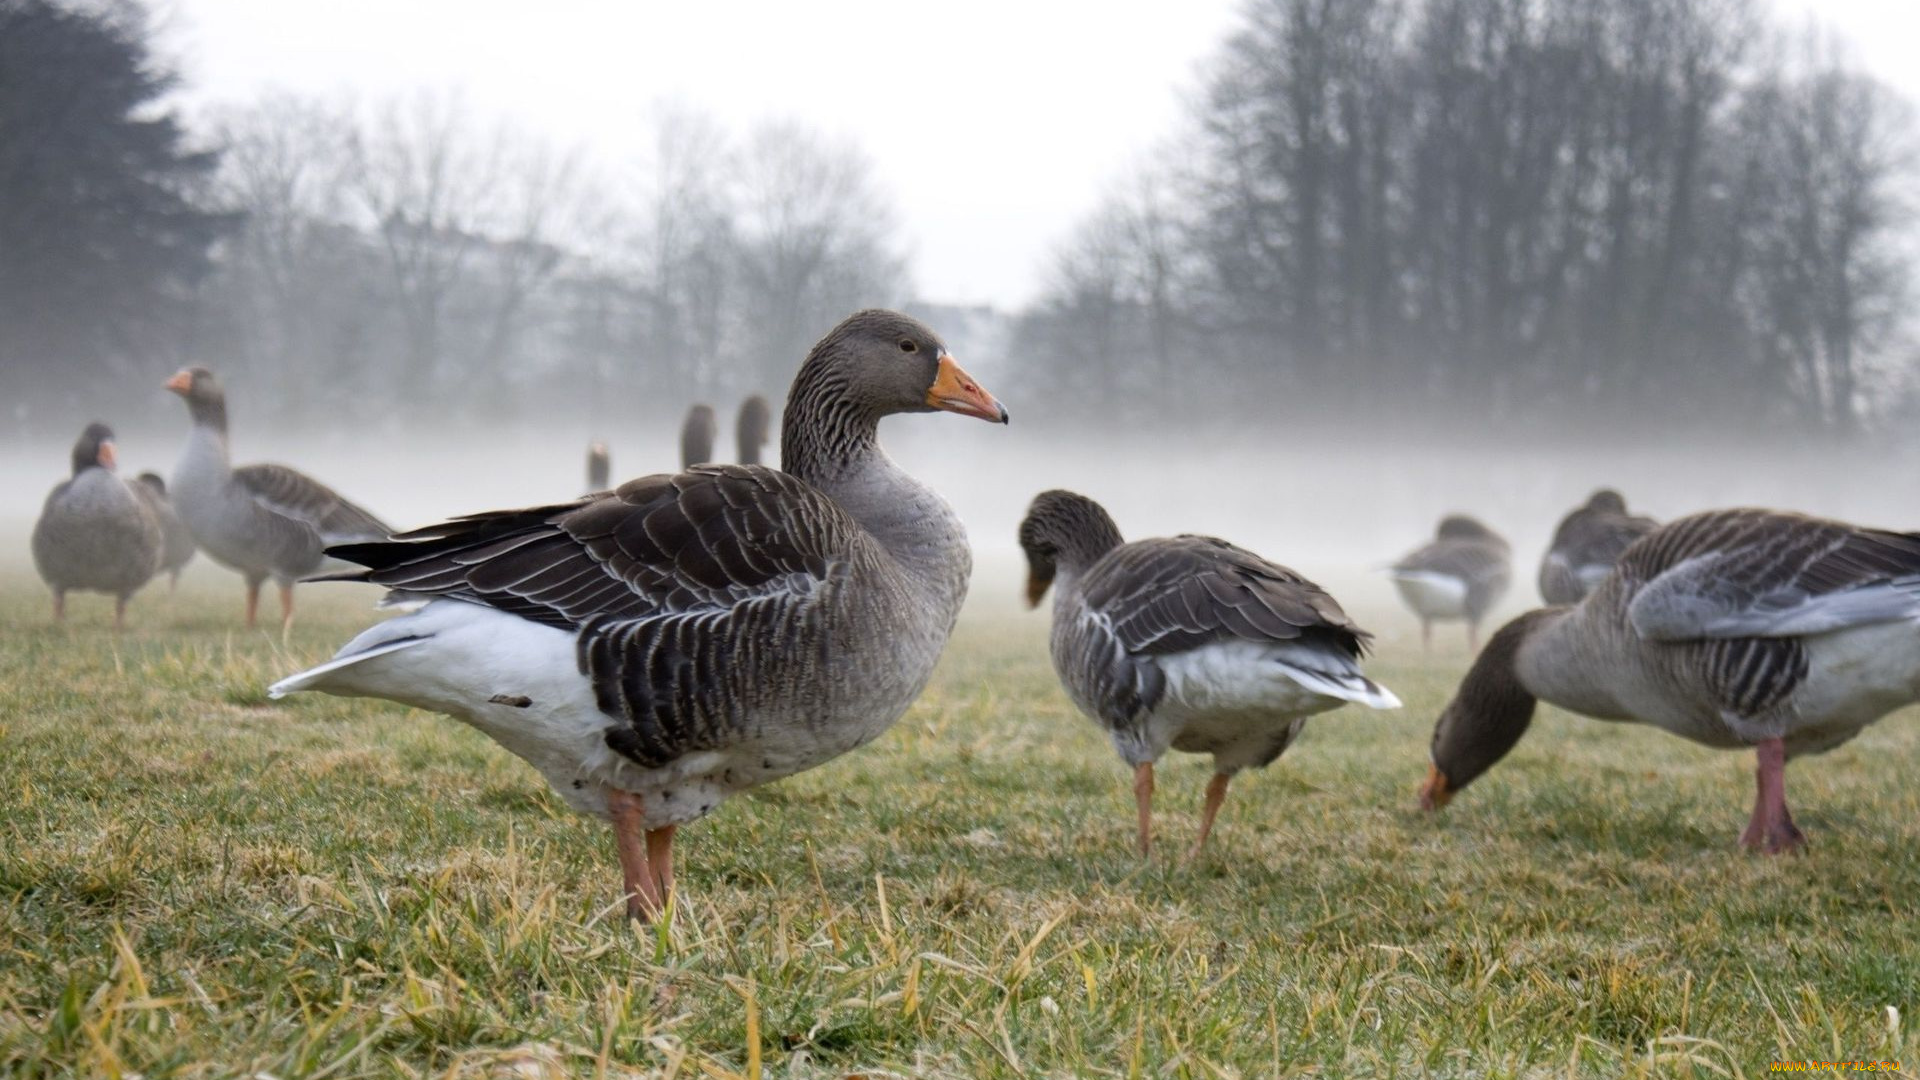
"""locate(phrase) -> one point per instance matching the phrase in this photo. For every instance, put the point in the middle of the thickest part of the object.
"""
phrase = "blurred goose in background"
(1460, 575)
(696, 436)
(599, 467)
(176, 541)
(95, 533)
(1733, 628)
(263, 521)
(1188, 642)
(750, 429)
(654, 649)
(1586, 545)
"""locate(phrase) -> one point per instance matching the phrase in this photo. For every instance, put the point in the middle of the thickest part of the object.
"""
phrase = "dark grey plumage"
(95, 533)
(656, 648)
(1188, 642)
(177, 541)
(1461, 574)
(1586, 544)
(750, 428)
(1731, 628)
(696, 436)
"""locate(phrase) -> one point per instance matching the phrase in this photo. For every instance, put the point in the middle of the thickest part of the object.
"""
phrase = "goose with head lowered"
(1587, 543)
(1188, 643)
(263, 521)
(1459, 575)
(95, 532)
(177, 543)
(1734, 628)
(654, 649)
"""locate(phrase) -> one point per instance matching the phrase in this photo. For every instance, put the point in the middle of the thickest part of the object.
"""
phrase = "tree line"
(1500, 215)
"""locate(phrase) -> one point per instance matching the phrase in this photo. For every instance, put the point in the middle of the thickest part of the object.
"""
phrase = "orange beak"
(1434, 793)
(181, 382)
(106, 457)
(954, 390)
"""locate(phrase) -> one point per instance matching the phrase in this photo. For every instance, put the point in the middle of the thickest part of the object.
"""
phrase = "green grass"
(195, 881)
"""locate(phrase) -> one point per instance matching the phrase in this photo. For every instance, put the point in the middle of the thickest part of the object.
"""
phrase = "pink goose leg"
(1771, 829)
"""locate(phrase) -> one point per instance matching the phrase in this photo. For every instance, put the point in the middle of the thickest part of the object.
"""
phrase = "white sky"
(995, 124)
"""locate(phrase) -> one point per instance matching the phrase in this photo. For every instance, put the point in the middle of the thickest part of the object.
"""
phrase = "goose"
(1733, 628)
(696, 437)
(1586, 544)
(599, 467)
(1459, 575)
(654, 649)
(95, 534)
(176, 542)
(750, 429)
(262, 521)
(1187, 642)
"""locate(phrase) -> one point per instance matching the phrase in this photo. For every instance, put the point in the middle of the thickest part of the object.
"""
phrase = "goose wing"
(686, 590)
(1156, 598)
(1472, 561)
(1766, 574)
(292, 494)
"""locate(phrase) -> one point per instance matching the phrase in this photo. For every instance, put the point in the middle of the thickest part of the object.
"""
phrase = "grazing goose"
(654, 649)
(1586, 544)
(599, 467)
(177, 543)
(1459, 575)
(1189, 643)
(1734, 628)
(750, 429)
(696, 437)
(95, 534)
(264, 521)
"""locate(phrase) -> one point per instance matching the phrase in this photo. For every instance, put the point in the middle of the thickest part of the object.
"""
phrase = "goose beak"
(1434, 793)
(106, 456)
(181, 382)
(1036, 588)
(954, 390)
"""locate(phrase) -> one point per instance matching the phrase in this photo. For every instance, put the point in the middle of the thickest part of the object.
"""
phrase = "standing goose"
(176, 542)
(263, 521)
(95, 534)
(654, 649)
(750, 429)
(696, 437)
(1733, 628)
(1459, 575)
(1586, 545)
(599, 467)
(1188, 642)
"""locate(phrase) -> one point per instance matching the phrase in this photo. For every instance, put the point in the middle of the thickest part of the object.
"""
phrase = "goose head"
(1063, 528)
(205, 399)
(94, 449)
(1488, 714)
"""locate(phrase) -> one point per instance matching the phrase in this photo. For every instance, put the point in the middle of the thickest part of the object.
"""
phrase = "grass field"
(196, 881)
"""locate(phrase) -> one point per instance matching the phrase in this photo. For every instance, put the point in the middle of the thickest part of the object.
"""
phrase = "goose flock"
(655, 647)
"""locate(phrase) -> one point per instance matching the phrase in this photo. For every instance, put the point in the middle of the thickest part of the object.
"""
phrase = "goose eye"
(907, 345)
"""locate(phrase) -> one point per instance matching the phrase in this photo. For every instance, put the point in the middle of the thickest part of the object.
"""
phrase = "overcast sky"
(993, 123)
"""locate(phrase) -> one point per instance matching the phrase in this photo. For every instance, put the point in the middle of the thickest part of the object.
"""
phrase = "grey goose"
(261, 521)
(1457, 576)
(95, 532)
(696, 436)
(1585, 545)
(599, 467)
(654, 649)
(1733, 628)
(177, 546)
(750, 428)
(1188, 643)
